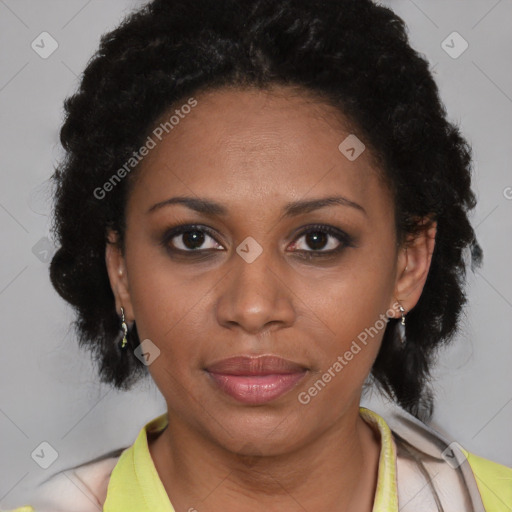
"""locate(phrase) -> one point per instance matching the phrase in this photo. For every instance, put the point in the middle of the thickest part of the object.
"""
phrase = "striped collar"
(136, 486)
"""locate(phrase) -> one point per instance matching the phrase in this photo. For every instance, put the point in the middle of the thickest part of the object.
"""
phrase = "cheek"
(170, 314)
(162, 300)
(348, 353)
(354, 304)
(355, 295)
(167, 312)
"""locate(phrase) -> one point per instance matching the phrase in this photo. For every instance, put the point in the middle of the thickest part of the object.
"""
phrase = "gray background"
(48, 388)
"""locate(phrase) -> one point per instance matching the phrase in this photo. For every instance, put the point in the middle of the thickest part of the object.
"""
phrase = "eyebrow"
(292, 209)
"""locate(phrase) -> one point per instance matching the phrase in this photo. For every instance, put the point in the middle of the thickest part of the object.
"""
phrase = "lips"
(261, 365)
(256, 380)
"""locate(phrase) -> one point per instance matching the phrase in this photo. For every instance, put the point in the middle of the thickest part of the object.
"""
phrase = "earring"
(401, 326)
(124, 327)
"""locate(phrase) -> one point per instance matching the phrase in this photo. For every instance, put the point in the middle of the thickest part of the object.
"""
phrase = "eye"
(323, 240)
(190, 238)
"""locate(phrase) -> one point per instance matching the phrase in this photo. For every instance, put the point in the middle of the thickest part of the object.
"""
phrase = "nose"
(257, 297)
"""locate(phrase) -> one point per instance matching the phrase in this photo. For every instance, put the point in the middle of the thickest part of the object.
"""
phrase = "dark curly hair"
(351, 54)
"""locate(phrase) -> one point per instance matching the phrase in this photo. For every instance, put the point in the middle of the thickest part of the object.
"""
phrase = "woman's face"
(247, 280)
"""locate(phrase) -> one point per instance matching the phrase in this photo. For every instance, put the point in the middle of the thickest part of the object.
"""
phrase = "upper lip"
(260, 365)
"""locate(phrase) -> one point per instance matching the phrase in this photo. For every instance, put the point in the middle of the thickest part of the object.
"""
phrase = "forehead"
(235, 145)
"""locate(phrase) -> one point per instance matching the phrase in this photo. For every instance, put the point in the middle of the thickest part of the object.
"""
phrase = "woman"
(263, 207)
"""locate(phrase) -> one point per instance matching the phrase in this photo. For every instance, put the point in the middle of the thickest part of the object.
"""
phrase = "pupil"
(193, 237)
(318, 240)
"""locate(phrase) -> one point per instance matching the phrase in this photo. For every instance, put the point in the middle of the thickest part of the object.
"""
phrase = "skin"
(253, 152)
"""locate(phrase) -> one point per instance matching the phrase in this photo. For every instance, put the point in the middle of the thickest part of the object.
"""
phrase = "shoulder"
(81, 488)
(494, 482)
(432, 467)
(485, 467)
(25, 508)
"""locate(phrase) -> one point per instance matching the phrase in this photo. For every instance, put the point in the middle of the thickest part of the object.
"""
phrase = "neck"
(336, 471)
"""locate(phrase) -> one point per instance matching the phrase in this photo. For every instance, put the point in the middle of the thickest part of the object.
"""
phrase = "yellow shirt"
(135, 486)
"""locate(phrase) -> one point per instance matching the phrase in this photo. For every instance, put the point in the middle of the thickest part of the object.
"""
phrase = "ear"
(414, 260)
(118, 275)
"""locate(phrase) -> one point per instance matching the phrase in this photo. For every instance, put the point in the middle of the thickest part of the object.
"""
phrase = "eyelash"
(344, 239)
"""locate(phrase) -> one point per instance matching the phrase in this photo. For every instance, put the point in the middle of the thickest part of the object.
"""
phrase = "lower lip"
(256, 389)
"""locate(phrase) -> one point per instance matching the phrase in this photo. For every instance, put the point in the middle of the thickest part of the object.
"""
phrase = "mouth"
(256, 380)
